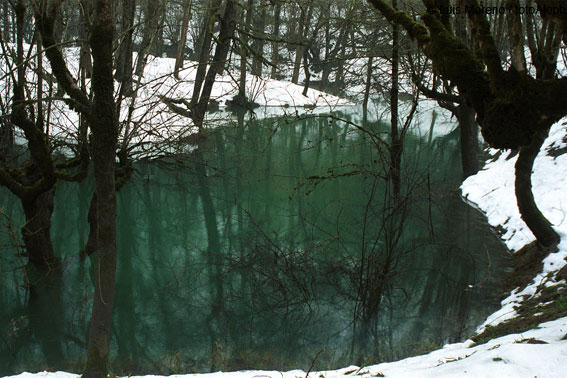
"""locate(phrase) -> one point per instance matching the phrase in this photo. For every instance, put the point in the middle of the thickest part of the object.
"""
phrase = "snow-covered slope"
(492, 190)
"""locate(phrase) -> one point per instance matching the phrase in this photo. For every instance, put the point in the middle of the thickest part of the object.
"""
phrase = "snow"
(154, 127)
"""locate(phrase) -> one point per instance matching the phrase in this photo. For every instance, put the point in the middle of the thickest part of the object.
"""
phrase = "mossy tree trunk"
(513, 108)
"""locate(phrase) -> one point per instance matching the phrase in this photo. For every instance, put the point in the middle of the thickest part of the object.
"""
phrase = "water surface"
(273, 244)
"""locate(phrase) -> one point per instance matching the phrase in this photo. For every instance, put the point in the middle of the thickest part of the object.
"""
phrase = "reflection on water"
(271, 243)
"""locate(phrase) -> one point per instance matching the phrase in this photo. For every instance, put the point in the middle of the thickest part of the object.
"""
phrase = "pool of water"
(274, 243)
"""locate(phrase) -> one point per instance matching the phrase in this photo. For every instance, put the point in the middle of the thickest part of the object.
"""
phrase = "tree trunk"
(396, 146)
(275, 53)
(46, 309)
(152, 16)
(221, 51)
(258, 46)
(306, 71)
(369, 70)
(211, 7)
(534, 219)
(241, 97)
(368, 84)
(36, 230)
(5, 21)
(124, 66)
(327, 64)
(469, 140)
(90, 246)
(204, 50)
(298, 47)
(105, 132)
(340, 75)
(182, 38)
(85, 63)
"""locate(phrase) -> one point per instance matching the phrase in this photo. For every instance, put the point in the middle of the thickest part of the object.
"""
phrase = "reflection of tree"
(47, 320)
(125, 312)
(214, 256)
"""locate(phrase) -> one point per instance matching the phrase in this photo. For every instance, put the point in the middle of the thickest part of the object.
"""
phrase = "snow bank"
(492, 191)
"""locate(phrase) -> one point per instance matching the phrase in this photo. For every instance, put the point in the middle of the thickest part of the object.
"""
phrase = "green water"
(273, 244)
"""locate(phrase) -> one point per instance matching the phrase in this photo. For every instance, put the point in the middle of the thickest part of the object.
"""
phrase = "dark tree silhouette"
(514, 109)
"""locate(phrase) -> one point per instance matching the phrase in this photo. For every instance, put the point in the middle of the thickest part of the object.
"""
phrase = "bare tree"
(101, 112)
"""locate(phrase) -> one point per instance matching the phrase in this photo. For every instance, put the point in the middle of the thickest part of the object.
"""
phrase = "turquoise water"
(274, 243)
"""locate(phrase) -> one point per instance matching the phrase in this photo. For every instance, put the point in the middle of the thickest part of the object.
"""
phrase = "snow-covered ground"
(154, 128)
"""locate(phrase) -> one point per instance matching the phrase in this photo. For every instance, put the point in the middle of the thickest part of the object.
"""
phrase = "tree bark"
(105, 132)
(85, 62)
(369, 70)
(306, 71)
(367, 84)
(469, 140)
(516, 37)
(90, 245)
(5, 21)
(326, 63)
